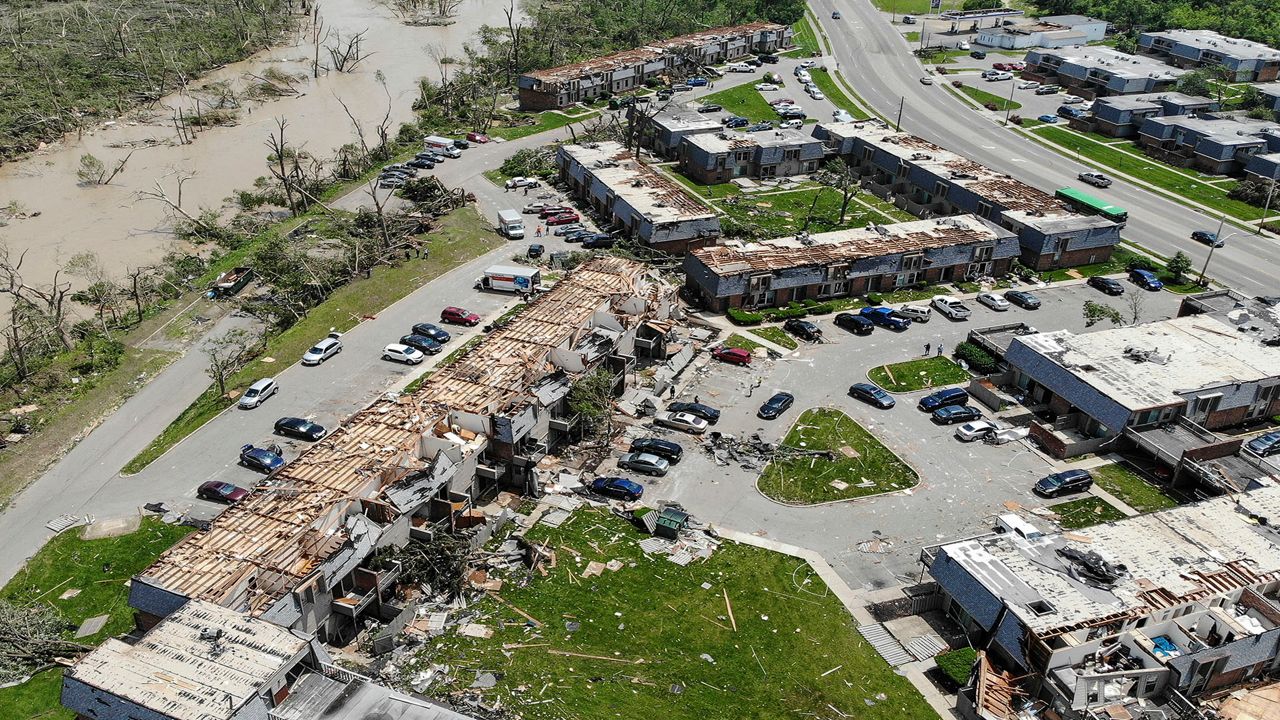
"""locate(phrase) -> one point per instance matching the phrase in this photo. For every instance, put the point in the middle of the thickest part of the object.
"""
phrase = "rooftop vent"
(209, 634)
(1041, 607)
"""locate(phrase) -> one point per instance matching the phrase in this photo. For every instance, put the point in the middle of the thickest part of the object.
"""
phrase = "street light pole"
(897, 123)
(1220, 241)
(1008, 105)
(1266, 207)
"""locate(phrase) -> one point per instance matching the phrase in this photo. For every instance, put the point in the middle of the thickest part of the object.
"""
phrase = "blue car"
(260, 459)
(1145, 279)
(885, 317)
(1048, 118)
(1265, 445)
(696, 82)
(619, 488)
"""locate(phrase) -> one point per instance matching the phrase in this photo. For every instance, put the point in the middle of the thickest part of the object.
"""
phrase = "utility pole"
(1217, 240)
(1266, 207)
(898, 123)
(1008, 106)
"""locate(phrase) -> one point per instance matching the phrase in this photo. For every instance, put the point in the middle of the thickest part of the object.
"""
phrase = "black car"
(431, 331)
(855, 324)
(599, 240)
(706, 412)
(768, 59)
(952, 414)
(872, 395)
(299, 428)
(709, 108)
(977, 54)
(776, 405)
(1207, 237)
(1023, 299)
(462, 144)
(943, 398)
(1068, 481)
(421, 342)
(536, 250)
(264, 460)
(665, 449)
(664, 95)
(1110, 286)
(803, 329)
(421, 164)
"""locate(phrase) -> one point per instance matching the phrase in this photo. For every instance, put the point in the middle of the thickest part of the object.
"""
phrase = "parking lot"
(962, 485)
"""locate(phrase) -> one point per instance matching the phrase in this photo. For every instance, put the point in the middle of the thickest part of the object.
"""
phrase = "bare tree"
(318, 36)
(1134, 307)
(228, 353)
(32, 636)
(844, 178)
(101, 292)
(93, 171)
(347, 55)
(284, 159)
(141, 285)
(46, 304)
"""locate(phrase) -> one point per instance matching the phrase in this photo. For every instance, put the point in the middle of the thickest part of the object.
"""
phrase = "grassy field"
(1118, 262)
(549, 120)
(460, 236)
(739, 341)
(1165, 177)
(1131, 489)
(957, 664)
(720, 190)
(743, 100)
(777, 214)
(651, 625)
(1082, 513)
(903, 7)
(984, 98)
(805, 38)
(918, 374)
(775, 335)
(862, 465)
(827, 84)
(36, 699)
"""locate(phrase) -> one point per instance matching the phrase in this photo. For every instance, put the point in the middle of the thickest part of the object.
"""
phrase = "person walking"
(939, 349)
(927, 347)
(539, 234)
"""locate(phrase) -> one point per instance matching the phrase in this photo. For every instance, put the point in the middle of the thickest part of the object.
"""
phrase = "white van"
(916, 313)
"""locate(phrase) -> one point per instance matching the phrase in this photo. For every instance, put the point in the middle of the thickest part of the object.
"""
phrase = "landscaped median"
(743, 100)
(919, 374)
(860, 465)
(985, 99)
(775, 335)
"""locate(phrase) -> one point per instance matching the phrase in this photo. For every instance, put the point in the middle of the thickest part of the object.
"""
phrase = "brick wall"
(534, 100)
(1226, 418)
(1047, 440)
(1068, 259)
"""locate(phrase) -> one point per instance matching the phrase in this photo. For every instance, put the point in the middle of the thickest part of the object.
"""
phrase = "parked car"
(908, 20)
(977, 55)
(599, 241)
(1107, 285)
(1072, 99)
(299, 428)
(1145, 279)
(391, 182)
(535, 251)
(790, 124)
(521, 182)
(396, 352)
(976, 430)
(951, 307)
(1095, 179)
(1028, 85)
(885, 317)
(432, 331)
(665, 449)
(421, 342)
(322, 351)
(999, 66)
(766, 87)
(1047, 90)
(943, 398)
(458, 316)
(816, 94)
(1060, 483)
(568, 229)
(1022, 299)
(787, 112)
(768, 59)
(776, 405)
(461, 144)
(915, 313)
(997, 77)
(781, 101)
(709, 108)
(1265, 445)
(952, 414)
(260, 459)
(547, 211)
(706, 412)
(563, 219)
(855, 324)
(803, 329)
(1208, 238)
(696, 82)
(1048, 119)
(736, 122)
(476, 137)
(258, 393)
(644, 463)
(760, 127)
(872, 395)
(682, 421)
(221, 492)
(421, 164)
(964, 46)
(841, 115)
(535, 208)
(993, 301)
(617, 488)
(732, 355)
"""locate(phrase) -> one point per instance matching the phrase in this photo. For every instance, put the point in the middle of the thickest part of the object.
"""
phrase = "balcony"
(368, 585)
(490, 469)
(528, 456)
(565, 424)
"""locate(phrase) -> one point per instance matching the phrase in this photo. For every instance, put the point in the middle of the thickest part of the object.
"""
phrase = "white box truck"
(442, 145)
(510, 278)
(511, 224)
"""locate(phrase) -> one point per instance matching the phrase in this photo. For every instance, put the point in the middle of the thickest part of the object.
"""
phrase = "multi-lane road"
(877, 61)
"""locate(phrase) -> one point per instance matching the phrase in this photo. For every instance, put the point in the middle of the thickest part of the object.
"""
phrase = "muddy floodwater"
(125, 230)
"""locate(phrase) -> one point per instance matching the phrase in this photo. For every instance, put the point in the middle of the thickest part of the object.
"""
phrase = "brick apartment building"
(712, 158)
(1246, 60)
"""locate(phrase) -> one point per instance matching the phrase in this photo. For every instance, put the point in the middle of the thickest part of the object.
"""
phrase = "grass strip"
(1081, 513)
(918, 374)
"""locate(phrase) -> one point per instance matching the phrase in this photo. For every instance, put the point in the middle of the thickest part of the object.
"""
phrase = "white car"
(1071, 99)
(258, 393)
(322, 351)
(682, 421)
(766, 87)
(806, 64)
(1028, 85)
(740, 68)
(534, 208)
(963, 45)
(998, 76)
(519, 182)
(951, 307)
(841, 116)
(817, 95)
(993, 301)
(804, 76)
(792, 123)
(926, 80)
(402, 353)
(975, 430)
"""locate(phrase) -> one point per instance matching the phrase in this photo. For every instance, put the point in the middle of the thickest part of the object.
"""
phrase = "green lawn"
(743, 100)
(549, 120)
(720, 190)
(982, 97)
(957, 664)
(903, 7)
(779, 214)
(738, 341)
(862, 465)
(642, 634)
(918, 374)
(827, 84)
(912, 36)
(907, 295)
(775, 335)
(805, 38)
(1084, 512)
(36, 699)
(1165, 177)
(1131, 489)
(460, 236)
(1119, 262)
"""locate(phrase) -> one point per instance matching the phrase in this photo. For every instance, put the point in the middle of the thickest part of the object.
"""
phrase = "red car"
(478, 137)
(1018, 66)
(1000, 66)
(221, 492)
(782, 101)
(563, 219)
(458, 316)
(550, 210)
(737, 356)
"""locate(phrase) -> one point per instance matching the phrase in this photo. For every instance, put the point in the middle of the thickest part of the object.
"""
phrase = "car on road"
(952, 307)
(776, 405)
(397, 352)
(855, 324)
(682, 421)
(952, 414)
(908, 20)
(223, 492)
(644, 463)
(1265, 445)
(872, 395)
(299, 428)
(943, 398)
(260, 459)
(885, 317)
(568, 229)
(1145, 279)
(432, 331)
(1060, 483)
(964, 45)
(732, 355)
(665, 449)
(1071, 99)
(710, 108)
(1095, 179)
(993, 301)
(563, 219)
(1022, 299)
(803, 329)
(1028, 85)
(521, 182)
(322, 351)
(697, 409)
(1048, 119)
(535, 251)
(421, 342)
(1048, 90)
(258, 393)
(696, 82)
(926, 80)
(766, 87)
(617, 488)
(976, 430)
(459, 316)
(1110, 286)
(1208, 238)
(476, 137)
(835, 15)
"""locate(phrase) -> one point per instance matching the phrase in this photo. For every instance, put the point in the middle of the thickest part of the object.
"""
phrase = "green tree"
(1195, 82)
(1096, 312)
(981, 4)
(591, 398)
(1178, 265)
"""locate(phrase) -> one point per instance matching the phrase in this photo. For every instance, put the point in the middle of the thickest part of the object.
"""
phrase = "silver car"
(258, 393)
(402, 353)
(322, 351)
(644, 463)
(682, 421)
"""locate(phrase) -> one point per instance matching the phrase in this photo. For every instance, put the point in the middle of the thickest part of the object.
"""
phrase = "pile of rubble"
(754, 453)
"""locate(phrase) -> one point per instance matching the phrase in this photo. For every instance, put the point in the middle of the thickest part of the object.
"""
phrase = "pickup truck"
(951, 307)
(885, 317)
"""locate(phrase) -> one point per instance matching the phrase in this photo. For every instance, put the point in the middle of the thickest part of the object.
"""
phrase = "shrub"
(744, 317)
(957, 83)
(809, 302)
(957, 664)
(786, 313)
(991, 106)
(1141, 263)
(1015, 119)
(975, 357)
(823, 308)
(874, 298)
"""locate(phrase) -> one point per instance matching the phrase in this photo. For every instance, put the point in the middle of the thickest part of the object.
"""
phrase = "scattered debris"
(877, 546)
(475, 630)
(485, 680)
(556, 518)
(92, 626)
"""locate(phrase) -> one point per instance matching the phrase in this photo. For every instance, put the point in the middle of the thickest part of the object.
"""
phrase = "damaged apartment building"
(713, 158)
(634, 199)
(927, 180)
(298, 555)
(1158, 616)
(621, 72)
(849, 262)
